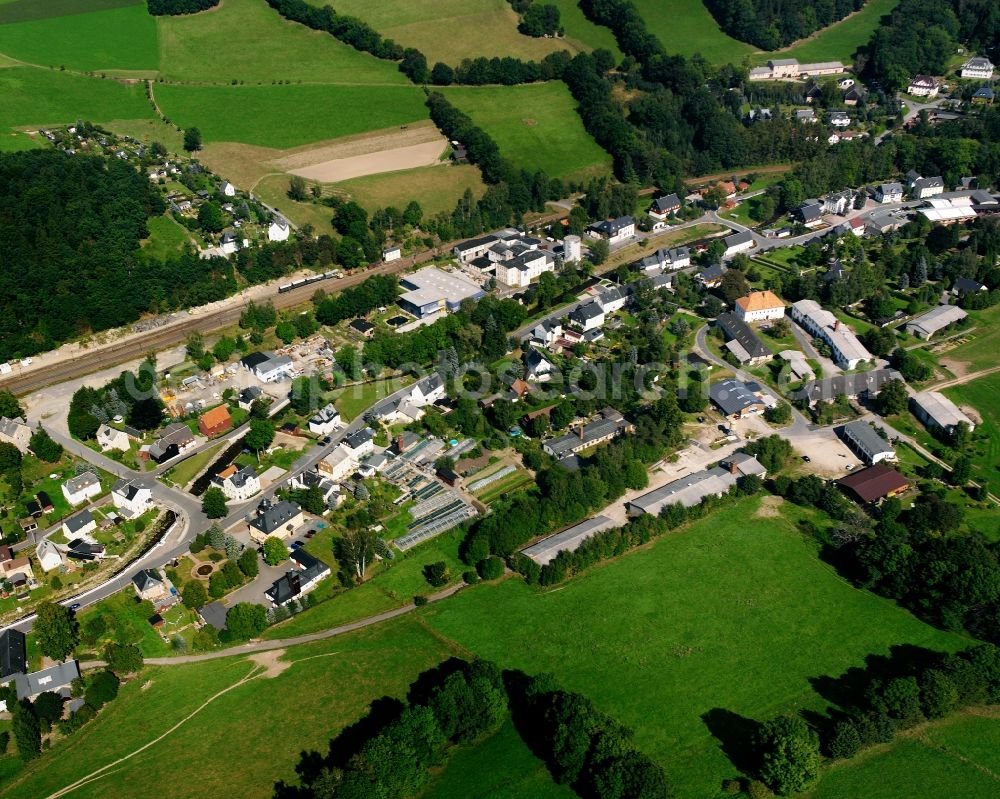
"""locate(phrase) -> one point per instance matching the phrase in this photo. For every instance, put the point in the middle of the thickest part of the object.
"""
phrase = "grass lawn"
(735, 612)
(501, 766)
(16, 141)
(38, 97)
(267, 49)
(343, 676)
(130, 622)
(450, 30)
(188, 469)
(167, 239)
(860, 326)
(954, 757)
(389, 587)
(535, 125)
(436, 188)
(353, 400)
(686, 27)
(288, 116)
(113, 39)
(982, 395)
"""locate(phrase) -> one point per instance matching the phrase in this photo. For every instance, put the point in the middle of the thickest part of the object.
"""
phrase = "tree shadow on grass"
(736, 735)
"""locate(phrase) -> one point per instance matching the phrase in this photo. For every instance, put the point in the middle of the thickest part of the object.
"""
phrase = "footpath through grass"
(329, 685)
(734, 613)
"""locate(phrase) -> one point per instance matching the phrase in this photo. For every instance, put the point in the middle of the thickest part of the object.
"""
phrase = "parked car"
(297, 544)
(75, 607)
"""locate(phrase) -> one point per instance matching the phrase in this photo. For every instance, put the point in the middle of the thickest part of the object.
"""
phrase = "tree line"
(160, 8)
(390, 752)
(875, 703)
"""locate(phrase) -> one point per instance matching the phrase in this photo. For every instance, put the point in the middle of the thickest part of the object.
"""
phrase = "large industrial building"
(431, 290)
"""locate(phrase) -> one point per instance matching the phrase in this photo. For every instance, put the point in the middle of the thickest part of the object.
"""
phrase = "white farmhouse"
(131, 497)
(81, 488)
(760, 306)
(325, 420)
(977, 68)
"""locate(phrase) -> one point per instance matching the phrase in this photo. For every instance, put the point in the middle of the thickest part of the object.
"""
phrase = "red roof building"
(216, 421)
(874, 483)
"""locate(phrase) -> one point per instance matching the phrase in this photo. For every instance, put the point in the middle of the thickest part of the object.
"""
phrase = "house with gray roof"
(867, 443)
(935, 320)
(56, 679)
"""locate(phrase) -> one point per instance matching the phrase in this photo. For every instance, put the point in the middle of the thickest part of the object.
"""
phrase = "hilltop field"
(263, 90)
(700, 605)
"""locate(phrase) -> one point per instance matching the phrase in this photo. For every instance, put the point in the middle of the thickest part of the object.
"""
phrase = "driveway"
(253, 592)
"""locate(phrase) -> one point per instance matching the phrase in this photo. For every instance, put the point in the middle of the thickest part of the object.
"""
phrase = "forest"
(162, 8)
(771, 24)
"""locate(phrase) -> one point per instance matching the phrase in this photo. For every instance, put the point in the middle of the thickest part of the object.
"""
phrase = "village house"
(588, 316)
(278, 229)
(537, 367)
(664, 260)
(744, 343)
(82, 524)
(545, 333)
(983, 96)
(739, 242)
(711, 276)
(867, 443)
(313, 478)
(977, 68)
(131, 497)
(215, 422)
(275, 520)
(53, 679)
(839, 119)
(965, 285)
(390, 254)
(174, 439)
(338, 464)
(16, 570)
(934, 321)
(759, 306)
(237, 483)
(227, 189)
(325, 420)
(521, 270)
(805, 115)
(49, 556)
(923, 86)
(248, 396)
(810, 213)
(889, 193)
(662, 208)
(612, 299)
(148, 586)
(16, 432)
(362, 327)
(614, 230)
(81, 488)
(922, 188)
(297, 582)
(838, 202)
(109, 438)
(791, 69)
(361, 443)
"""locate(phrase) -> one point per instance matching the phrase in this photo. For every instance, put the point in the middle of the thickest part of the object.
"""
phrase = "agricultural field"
(838, 42)
(978, 350)
(76, 37)
(288, 115)
(536, 127)
(982, 395)
(699, 604)
(954, 757)
(581, 33)
(450, 30)
(39, 97)
(342, 677)
(268, 50)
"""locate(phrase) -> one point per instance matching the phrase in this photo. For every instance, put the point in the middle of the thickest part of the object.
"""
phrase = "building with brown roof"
(874, 484)
(216, 421)
(759, 306)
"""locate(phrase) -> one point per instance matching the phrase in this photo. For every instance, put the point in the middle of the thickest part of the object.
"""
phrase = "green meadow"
(290, 115)
(982, 395)
(735, 614)
(121, 38)
(39, 97)
(243, 741)
(266, 48)
(450, 30)
(536, 127)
